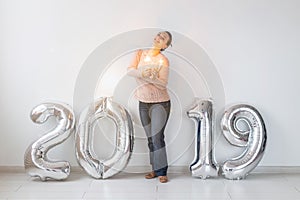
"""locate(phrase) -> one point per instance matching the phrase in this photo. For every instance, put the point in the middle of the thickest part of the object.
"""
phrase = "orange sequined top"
(150, 89)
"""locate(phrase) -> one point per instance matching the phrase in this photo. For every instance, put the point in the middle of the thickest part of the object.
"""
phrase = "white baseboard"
(185, 169)
(172, 169)
(277, 169)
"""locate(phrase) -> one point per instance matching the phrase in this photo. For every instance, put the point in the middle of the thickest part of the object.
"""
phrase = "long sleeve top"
(150, 89)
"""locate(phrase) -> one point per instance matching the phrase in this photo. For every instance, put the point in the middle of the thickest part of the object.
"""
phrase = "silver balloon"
(253, 137)
(203, 165)
(35, 159)
(85, 154)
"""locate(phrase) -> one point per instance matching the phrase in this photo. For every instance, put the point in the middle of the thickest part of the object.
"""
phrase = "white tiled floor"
(134, 186)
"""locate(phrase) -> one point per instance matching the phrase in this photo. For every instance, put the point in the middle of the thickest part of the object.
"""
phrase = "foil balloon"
(86, 157)
(203, 165)
(253, 137)
(35, 159)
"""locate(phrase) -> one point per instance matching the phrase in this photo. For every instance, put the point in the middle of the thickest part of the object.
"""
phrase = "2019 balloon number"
(37, 164)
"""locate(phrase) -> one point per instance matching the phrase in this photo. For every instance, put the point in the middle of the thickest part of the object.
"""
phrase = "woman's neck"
(154, 51)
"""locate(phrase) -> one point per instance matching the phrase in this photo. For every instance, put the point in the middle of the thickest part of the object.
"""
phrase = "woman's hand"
(147, 73)
(151, 73)
(154, 73)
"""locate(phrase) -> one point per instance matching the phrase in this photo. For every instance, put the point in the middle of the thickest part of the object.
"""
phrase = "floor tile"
(4, 195)
(202, 196)
(46, 195)
(124, 195)
(135, 186)
(266, 196)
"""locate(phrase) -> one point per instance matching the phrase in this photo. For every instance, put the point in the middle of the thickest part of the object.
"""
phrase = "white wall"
(253, 45)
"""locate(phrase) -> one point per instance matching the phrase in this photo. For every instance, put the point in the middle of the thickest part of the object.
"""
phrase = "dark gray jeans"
(154, 118)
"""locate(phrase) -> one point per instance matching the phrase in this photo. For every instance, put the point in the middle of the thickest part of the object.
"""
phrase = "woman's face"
(161, 39)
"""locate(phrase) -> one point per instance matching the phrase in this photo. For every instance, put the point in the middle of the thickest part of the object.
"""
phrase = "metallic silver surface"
(203, 165)
(35, 159)
(84, 139)
(253, 138)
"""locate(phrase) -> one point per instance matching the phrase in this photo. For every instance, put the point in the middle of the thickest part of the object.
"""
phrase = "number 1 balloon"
(253, 138)
(35, 159)
(85, 154)
(203, 165)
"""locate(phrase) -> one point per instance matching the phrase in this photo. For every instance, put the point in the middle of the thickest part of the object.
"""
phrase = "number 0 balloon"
(253, 138)
(35, 158)
(85, 155)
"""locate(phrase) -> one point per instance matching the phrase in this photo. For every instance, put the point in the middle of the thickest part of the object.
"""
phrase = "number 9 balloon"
(35, 159)
(254, 139)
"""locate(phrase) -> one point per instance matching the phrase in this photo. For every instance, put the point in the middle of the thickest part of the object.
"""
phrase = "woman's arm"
(160, 80)
(133, 70)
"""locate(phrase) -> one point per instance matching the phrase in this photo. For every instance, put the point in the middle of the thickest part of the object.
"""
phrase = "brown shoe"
(150, 175)
(163, 179)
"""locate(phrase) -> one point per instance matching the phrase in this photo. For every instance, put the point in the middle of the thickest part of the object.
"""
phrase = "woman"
(151, 69)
